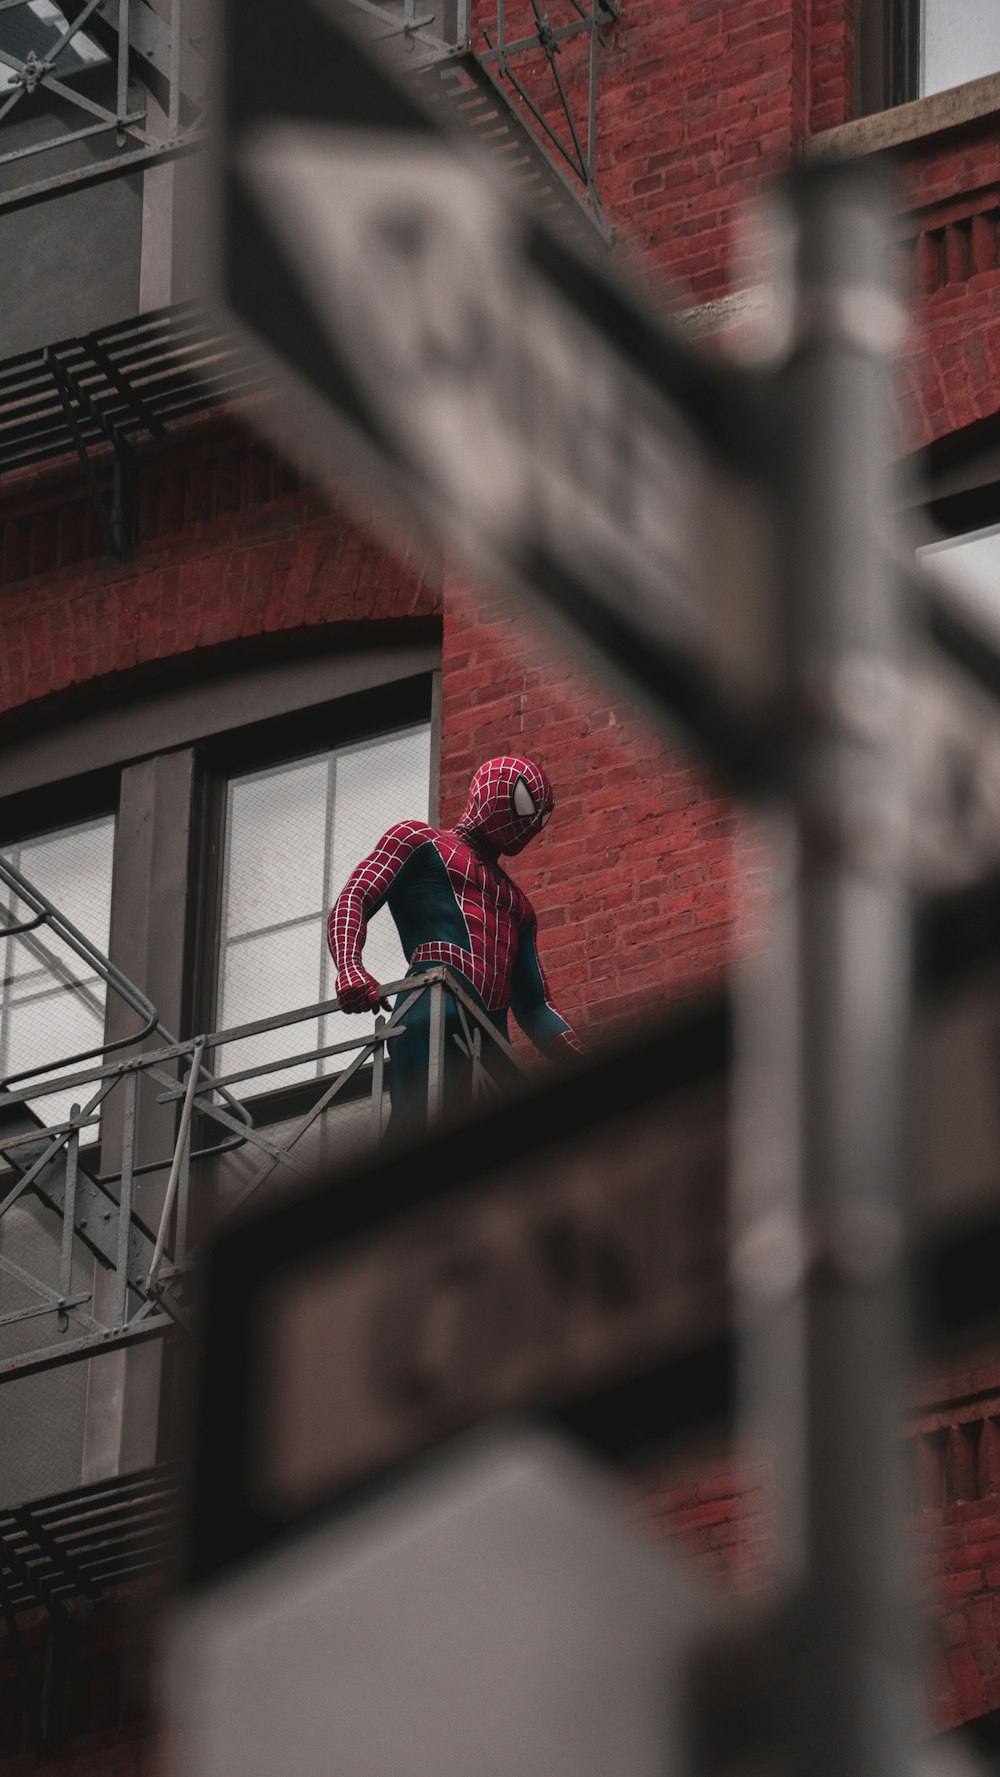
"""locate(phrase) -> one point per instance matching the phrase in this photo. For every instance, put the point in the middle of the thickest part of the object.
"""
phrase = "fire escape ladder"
(46, 1164)
(46, 1160)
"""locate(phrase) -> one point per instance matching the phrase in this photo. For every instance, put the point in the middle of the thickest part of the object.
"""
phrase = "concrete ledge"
(722, 312)
(908, 123)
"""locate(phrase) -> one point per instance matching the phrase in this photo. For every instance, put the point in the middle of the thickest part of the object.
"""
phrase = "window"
(52, 1005)
(911, 49)
(208, 886)
(294, 832)
(957, 40)
(971, 565)
(931, 45)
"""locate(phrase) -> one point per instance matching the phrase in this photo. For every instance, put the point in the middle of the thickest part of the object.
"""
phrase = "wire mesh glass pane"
(277, 969)
(53, 1004)
(959, 41)
(276, 812)
(65, 1022)
(293, 835)
(971, 566)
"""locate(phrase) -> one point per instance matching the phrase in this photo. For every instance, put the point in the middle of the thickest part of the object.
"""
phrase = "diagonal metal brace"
(95, 1210)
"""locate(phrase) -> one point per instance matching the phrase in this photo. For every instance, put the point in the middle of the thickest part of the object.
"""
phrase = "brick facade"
(233, 554)
(633, 878)
(702, 102)
(949, 267)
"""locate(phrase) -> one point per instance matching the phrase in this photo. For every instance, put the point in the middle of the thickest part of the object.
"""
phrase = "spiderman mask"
(510, 800)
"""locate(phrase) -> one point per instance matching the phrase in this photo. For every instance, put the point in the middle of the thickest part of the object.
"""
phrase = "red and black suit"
(452, 903)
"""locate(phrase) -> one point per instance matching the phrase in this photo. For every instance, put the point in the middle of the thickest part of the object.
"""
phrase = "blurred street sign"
(457, 357)
(492, 1613)
(571, 1260)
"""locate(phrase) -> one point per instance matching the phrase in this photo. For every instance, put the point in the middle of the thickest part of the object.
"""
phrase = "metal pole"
(820, 1248)
(435, 1052)
(120, 1311)
(183, 1133)
(174, 98)
(123, 52)
(69, 1206)
(378, 1078)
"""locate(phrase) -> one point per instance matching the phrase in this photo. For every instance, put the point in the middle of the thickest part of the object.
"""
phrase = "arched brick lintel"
(256, 586)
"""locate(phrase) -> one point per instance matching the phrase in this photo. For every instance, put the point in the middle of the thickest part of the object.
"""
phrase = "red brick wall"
(701, 104)
(949, 267)
(101, 1727)
(632, 879)
(232, 553)
(830, 47)
(719, 1514)
(955, 1474)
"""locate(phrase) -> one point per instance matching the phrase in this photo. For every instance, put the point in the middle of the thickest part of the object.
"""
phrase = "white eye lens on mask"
(524, 802)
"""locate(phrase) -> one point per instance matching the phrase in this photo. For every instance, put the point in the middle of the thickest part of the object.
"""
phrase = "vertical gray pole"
(821, 1241)
(435, 1052)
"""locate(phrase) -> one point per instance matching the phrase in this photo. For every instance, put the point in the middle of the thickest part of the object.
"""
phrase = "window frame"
(302, 703)
(58, 771)
(280, 741)
(887, 57)
(961, 480)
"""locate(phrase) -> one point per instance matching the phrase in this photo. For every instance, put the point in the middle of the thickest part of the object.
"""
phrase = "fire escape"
(95, 91)
(62, 1120)
(79, 1133)
(129, 1151)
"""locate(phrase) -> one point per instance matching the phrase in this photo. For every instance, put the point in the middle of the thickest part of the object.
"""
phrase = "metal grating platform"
(124, 384)
(84, 1542)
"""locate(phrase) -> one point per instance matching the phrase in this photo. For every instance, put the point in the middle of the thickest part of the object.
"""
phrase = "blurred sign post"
(722, 542)
(822, 1239)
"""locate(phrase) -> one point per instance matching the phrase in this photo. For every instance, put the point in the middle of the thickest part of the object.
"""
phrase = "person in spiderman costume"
(454, 904)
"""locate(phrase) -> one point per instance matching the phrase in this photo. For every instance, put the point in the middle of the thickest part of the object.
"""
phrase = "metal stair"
(47, 1160)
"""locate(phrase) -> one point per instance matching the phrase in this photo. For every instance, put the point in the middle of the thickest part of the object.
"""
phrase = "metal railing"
(139, 74)
(147, 1246)
(568, 126)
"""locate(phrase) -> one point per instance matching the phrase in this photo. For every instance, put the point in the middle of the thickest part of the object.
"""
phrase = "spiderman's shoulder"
(404, 837)
(448, 844)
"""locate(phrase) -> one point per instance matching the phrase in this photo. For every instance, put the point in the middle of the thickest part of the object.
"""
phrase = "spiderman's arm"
(530, 1003)
(361, 896)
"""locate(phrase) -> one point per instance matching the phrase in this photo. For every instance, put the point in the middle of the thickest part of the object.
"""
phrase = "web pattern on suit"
(496, 912)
